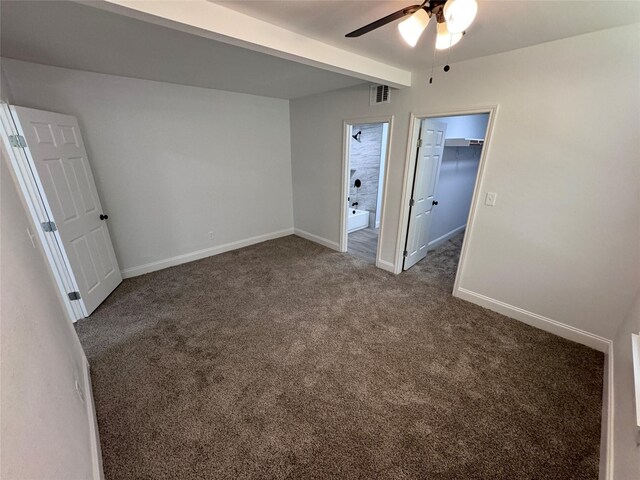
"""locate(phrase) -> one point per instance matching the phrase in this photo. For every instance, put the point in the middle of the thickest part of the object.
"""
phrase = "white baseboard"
(384, 265)
(96, 452)
(317, 239)
(440, 240)
(207, 252)
(552, 326)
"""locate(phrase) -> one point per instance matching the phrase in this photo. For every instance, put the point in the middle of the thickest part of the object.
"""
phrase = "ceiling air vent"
(379, 94)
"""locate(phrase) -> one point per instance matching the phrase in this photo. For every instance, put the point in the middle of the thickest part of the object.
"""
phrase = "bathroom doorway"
(366, 152)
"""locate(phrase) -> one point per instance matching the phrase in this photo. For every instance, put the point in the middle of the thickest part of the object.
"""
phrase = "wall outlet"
(490, 199)
(210, 235)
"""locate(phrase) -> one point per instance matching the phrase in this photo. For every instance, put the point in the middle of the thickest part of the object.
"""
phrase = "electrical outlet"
(490, 199)
(210, 235)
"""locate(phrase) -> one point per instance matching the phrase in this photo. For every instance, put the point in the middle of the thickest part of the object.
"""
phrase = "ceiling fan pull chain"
(433, 61)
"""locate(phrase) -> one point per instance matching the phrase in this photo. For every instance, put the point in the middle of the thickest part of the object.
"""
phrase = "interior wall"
(172, 163)
(364, 165)
(626, 462)
(457, 177)
(563, 161)
(456, 181)
(45, 430)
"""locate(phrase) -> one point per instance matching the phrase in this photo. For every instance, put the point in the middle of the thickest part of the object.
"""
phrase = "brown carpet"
(289, 360)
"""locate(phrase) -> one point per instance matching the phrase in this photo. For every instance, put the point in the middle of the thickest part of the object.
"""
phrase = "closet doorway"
(447, 159)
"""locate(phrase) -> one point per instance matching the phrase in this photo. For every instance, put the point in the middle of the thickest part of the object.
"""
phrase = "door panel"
(432, 136)
(57, 151)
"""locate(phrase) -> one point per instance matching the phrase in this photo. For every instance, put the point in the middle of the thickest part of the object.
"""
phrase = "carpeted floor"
(289, 360)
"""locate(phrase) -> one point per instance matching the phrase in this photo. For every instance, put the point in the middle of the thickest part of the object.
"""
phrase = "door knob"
(435, 202)
(103, 217)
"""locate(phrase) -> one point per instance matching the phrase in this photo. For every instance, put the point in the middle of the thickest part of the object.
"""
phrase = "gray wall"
(457, 178)
(364, 158)
(458, 173)
(563, 160)
(45, 426)
(172, 163)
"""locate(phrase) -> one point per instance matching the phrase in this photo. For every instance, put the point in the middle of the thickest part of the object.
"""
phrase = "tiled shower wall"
(365, 165)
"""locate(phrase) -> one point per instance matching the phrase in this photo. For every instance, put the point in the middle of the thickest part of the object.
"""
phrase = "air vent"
(379, 94)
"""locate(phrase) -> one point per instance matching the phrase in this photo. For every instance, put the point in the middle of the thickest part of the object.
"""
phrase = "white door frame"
(22, 167)
(346, 137)
(409, 170)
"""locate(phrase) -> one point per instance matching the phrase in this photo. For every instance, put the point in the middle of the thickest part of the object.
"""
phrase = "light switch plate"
(490, 199)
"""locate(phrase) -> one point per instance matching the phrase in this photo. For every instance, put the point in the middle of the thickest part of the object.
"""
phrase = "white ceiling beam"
(207, 19)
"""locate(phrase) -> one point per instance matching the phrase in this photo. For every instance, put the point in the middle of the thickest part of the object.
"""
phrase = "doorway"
(442, 184)
(366, 151)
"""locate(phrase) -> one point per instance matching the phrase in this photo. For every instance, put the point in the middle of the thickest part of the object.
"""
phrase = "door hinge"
(74, 295)
(17, 141)
(405, 253)
(49, 226)
(419, 142)
(412, 202)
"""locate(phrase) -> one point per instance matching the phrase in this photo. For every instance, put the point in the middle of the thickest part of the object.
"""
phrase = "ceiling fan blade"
(383, 21)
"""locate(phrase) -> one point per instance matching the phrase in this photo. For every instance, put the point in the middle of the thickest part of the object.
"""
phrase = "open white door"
(432, 136)
(55, 148)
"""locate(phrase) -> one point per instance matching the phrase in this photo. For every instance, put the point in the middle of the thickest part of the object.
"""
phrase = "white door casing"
(56, 150)
(432, 136)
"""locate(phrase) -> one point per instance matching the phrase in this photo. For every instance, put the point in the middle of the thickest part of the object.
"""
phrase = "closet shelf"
(463, 142)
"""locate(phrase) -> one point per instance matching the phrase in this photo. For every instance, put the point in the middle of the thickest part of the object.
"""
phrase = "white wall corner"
(199, 254)
(384, 265)
(543, 323)
(317, 239)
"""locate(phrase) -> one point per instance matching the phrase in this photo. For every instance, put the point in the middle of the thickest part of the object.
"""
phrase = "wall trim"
(443, 238)
(94, 435)
(608, 411)
(547, 324)
(198, 254)
(384, 265)
(317, 239)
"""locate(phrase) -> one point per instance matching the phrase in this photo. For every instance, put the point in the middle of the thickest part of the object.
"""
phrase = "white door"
(55, 148)
(432, 135)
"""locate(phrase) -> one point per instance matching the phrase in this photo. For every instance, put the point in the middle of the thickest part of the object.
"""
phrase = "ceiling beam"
(207, 19)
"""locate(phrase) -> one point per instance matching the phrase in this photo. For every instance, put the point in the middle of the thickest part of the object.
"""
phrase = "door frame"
(22, 168)
(409, 170)
(344, 191)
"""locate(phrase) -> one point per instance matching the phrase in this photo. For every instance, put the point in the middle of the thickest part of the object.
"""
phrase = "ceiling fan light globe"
(412, 27)
(459, 14)
(445, 38)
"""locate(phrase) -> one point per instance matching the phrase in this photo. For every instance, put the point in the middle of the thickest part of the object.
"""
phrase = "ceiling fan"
(453, 17)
